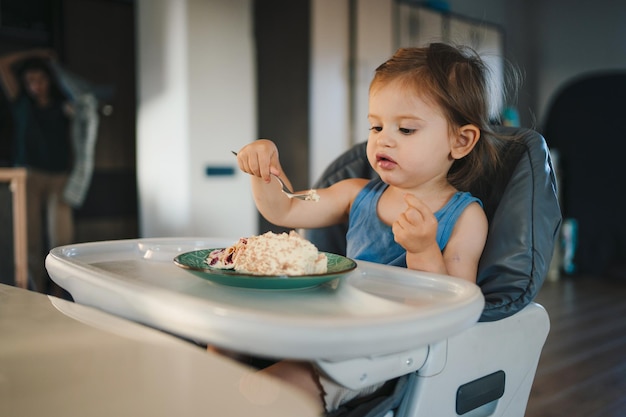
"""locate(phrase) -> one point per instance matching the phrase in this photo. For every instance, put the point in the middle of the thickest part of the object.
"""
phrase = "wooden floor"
(582, 370)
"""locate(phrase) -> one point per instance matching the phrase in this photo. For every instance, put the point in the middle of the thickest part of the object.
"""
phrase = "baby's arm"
(260, 159)
(416, 231)
(466, 244)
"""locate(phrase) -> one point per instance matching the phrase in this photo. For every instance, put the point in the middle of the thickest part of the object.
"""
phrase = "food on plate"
(270, 254)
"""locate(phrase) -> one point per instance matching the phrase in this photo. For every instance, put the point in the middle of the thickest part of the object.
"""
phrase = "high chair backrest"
(524, 218)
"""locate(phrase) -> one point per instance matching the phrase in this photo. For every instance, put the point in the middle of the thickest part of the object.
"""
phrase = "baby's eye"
(376, 128)
(406, 131)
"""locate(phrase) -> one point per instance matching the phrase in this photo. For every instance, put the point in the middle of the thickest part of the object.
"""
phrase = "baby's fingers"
(259, 158)
(416, 227)
(417, 213)
(417, 206)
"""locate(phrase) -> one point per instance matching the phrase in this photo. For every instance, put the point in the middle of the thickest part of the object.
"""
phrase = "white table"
(59, 358)
(376, 311)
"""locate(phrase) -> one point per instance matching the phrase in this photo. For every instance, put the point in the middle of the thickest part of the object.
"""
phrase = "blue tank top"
(369, 239)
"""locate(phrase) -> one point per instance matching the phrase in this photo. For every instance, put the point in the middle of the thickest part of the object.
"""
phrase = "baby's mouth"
(385, 162)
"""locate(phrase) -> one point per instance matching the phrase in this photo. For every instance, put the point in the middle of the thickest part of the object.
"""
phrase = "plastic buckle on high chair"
(362, 372)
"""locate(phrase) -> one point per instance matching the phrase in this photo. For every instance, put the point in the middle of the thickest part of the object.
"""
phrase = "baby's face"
(409, 142)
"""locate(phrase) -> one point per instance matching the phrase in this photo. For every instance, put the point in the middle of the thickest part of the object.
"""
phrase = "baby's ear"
(464, 141)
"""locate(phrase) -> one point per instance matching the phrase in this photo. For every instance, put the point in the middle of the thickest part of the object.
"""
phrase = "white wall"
(374, 45)
(554, 42)
(330, 97)
(588, 37)
(196, 102)
(162, 128)
(332, 130)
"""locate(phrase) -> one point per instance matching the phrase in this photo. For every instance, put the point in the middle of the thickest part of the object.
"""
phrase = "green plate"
(194, 262)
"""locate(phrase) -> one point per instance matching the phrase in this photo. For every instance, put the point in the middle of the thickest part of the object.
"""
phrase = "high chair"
(487, 370)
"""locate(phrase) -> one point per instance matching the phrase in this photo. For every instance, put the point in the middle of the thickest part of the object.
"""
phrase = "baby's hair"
(457, 80)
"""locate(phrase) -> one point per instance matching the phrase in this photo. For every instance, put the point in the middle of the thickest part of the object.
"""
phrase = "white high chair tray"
(373, 310)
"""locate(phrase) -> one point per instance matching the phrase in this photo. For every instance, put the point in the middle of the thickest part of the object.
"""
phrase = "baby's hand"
(260, 158)
(416, 228)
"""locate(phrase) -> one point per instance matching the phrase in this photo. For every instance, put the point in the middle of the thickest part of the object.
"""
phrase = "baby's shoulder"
(350, 187)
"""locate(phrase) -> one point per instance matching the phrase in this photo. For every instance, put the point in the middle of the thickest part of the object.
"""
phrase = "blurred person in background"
(41, 126)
